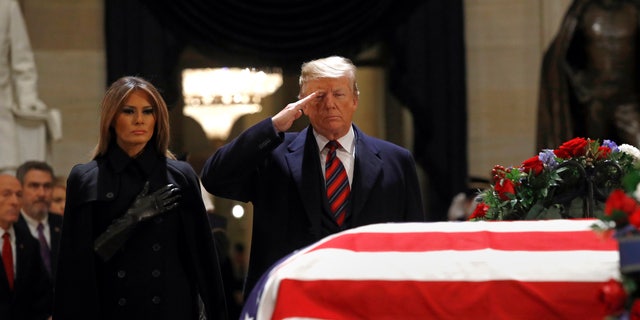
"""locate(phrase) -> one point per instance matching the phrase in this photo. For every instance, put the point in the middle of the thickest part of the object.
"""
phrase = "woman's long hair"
(114, 100)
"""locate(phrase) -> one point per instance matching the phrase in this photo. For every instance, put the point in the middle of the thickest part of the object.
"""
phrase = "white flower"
(632, 151)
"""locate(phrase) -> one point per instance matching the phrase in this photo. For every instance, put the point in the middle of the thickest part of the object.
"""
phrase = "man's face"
(10, 196)
(37, 191)
(331, 110)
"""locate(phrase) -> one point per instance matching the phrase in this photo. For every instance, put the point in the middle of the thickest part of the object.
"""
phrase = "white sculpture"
(26, 124)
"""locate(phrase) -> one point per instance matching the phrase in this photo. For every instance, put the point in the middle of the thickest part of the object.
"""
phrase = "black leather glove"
(144, 207)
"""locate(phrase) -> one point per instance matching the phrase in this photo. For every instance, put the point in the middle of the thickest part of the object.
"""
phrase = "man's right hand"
(292, 112)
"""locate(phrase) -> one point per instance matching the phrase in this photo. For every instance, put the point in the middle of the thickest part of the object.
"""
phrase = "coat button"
(109, 195)
(121, 274)
(156, 247)
(122, 301)
(155, 273)
(155, 300)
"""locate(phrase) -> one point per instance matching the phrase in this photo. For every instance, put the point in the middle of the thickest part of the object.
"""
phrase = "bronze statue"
(589, 81)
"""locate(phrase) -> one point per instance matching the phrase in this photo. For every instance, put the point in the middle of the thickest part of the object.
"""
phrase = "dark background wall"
(422, 48)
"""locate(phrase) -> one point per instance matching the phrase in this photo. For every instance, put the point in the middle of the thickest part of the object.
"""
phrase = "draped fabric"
(138, 44)
(551, 269)
(284, 33)
(424, 40)
(428, 76)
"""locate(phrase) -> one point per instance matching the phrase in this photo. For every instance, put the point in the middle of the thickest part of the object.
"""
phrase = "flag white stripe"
(451, 265)
(558, 225)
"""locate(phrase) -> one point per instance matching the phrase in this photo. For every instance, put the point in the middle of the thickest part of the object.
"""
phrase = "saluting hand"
(284, 119)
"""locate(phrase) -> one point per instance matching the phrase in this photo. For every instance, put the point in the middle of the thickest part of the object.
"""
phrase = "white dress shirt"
(33, 227)
(346, 153)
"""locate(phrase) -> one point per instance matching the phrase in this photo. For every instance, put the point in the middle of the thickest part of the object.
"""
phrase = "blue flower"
(612, 145)
(548, 158)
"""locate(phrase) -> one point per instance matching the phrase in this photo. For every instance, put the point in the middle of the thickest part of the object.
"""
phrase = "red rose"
(618, 200)
(634, 314)
(504, 187)
(634, 218)
(573, 148)
(613, 296)
(603, 152)
(533, 164)
(480, 211)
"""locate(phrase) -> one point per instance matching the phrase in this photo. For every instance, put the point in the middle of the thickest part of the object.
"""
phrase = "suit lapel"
(4, 283)
(368, 167)
(22, 223)
(21, 229)
(55, 229)
(23, 250)
(303, 165)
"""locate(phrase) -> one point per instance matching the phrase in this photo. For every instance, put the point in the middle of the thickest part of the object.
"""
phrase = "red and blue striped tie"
(337, 184)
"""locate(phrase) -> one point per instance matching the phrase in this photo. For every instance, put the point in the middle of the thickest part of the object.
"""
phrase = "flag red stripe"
(435, 241)
(344, 299)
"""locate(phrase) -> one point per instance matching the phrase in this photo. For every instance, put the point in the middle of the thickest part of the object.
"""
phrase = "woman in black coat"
(136, 242)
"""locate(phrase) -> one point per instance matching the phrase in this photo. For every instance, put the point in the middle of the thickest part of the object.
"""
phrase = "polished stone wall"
(505, 42)
(68, 44)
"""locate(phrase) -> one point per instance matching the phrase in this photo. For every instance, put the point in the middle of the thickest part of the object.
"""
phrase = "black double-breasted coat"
(164, 268)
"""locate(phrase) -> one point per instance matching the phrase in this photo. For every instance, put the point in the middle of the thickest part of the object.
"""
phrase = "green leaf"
(630, 180)
(535, 212)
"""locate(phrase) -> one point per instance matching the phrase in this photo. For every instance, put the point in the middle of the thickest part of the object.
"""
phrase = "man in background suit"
(283, 173)
(28, 296)
(37, 181)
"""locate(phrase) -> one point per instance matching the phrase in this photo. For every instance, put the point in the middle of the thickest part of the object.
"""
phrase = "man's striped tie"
(337, 184)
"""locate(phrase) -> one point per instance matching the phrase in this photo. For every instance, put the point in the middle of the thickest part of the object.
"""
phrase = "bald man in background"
(25, 289)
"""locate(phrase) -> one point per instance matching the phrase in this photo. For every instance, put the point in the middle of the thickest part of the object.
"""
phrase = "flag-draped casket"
(553, 269)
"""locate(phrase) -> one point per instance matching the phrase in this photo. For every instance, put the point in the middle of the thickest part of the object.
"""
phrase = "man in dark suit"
(37, 181)
(289, 176)
(25, 289)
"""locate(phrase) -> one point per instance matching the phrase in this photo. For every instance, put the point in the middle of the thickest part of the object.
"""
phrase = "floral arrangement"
(581, 178)
(622, 208)
(571, 181)
(622, 218)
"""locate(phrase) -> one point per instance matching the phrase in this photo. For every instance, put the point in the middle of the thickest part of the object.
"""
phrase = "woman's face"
(134, 123)
(58, 201)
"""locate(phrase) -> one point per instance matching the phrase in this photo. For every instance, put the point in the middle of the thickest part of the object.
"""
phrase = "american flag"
(552, 269)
